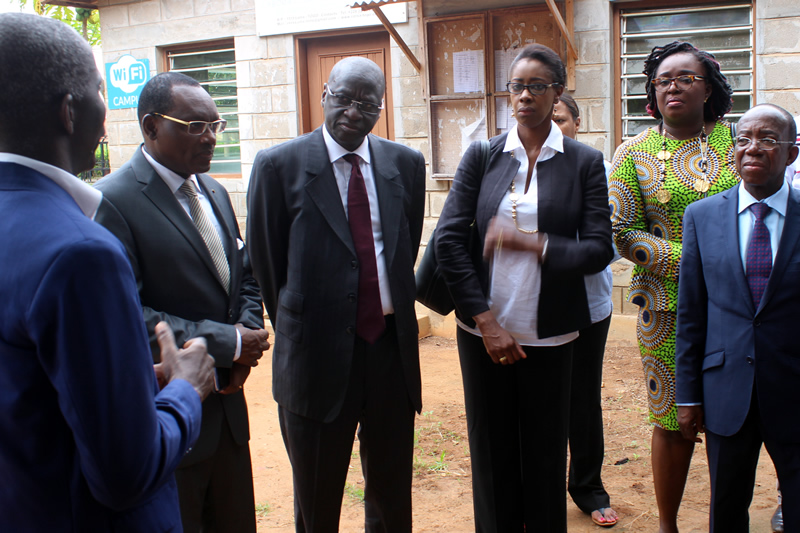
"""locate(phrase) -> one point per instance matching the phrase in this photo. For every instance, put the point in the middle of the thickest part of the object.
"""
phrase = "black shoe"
(777, 520)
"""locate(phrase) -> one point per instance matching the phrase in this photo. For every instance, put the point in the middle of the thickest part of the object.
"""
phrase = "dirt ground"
(442, 480)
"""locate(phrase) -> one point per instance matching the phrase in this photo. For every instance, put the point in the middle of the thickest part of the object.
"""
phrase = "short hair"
(721, 99)
(547, 57)
(156, 96)
(363, 66)
(569, 101)
(42, 61)
(790, 126)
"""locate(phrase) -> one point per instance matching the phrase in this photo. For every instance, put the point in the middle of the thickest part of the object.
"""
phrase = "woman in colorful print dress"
(654, 177)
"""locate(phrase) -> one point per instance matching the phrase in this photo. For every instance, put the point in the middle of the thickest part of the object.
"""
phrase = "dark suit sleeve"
(221, 338)
(453, 233)
(251, 311)
(692, 317)
(593, 251)
(267, 230)
(417, 213)
(86, 322)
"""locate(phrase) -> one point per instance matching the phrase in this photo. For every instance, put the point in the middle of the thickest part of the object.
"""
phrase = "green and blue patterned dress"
(649, 232)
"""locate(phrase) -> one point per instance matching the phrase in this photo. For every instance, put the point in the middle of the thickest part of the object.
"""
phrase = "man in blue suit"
(88, 443)
(738, 365)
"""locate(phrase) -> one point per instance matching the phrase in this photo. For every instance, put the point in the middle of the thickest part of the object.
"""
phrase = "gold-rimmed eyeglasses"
(198, 127)
(683, 83)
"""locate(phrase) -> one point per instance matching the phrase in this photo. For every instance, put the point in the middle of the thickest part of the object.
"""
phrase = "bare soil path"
(442, 491)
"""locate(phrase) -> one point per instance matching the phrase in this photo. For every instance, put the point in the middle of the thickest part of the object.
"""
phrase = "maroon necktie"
(369, 316)
(759, 254)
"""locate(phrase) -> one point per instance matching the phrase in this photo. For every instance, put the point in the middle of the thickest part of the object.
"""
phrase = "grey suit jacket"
(177, 280)
(725, 346)
(304, 260)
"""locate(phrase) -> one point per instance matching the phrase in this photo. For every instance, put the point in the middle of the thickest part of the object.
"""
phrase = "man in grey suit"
(334, 224)
(192, 272)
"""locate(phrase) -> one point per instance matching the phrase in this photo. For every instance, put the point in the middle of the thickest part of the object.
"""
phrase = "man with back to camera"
(334, 224)
(192, 270)
(87, 441)
(737, 364)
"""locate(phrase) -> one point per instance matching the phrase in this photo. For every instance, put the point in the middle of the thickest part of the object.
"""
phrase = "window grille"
(725, 31)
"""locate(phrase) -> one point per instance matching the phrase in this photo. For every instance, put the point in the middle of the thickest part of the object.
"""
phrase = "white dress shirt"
(87, 197)
(174, 182)
(774, 220)
(516, 276)
(341, 170)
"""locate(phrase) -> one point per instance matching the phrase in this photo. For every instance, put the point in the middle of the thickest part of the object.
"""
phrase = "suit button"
(351, 298)
(230, 313)
(354, 264)
(350, 330)
(749, 360)
(757, 323)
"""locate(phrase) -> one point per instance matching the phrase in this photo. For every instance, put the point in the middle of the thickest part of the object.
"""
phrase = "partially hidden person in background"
(334, 225)
(654, 176)
(541, 210)
(738, 363)
(191, 267)
(87, 440)
(586, 446)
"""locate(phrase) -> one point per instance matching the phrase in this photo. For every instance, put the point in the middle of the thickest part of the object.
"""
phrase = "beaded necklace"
(701, 184)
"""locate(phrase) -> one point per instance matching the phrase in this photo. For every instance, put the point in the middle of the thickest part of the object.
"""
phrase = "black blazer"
(305, 263)
(178, 282)
(573, 211)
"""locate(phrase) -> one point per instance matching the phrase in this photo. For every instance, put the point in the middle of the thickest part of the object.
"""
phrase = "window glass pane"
(215, 70)
(634, 107)
(688, 20)
(635, 127)
(635, 85)
(710, 41)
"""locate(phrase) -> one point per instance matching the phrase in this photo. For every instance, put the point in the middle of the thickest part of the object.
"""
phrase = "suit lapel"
(496, 182)
(322, 189)
(390, 197)
(162, 198)
(786, 245)
(729, 212)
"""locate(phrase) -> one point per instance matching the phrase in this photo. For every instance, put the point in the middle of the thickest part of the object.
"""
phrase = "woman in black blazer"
(542, 218)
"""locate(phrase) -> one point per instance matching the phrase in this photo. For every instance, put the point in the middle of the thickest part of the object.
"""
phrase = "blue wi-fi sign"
(124, 80)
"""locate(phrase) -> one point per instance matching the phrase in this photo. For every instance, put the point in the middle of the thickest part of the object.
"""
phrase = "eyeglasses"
(198, 127)
(682, 83)
(765, 144)
(534, 88)
(338, 100)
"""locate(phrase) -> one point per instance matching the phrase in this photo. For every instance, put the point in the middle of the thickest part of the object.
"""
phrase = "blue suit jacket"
(87, 442)
(725, 346)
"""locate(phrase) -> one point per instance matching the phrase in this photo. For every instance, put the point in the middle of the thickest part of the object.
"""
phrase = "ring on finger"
(502, 359)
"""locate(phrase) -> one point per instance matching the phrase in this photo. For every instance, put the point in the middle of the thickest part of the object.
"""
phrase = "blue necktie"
(759, 254)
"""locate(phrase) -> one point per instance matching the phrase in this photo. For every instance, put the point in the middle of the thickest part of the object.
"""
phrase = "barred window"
(215, 69)
(725, 31)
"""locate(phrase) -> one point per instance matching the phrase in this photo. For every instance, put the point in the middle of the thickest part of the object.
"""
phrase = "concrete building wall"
(778, 53)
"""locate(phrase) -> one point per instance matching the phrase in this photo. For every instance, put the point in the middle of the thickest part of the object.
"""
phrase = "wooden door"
(321, 54)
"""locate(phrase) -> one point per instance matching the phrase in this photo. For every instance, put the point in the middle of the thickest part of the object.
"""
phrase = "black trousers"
(518, 419)
(216, 495)
(586, 446)
(377, 404)
(732, 463)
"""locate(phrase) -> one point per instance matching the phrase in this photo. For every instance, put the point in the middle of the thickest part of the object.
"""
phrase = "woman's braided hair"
(720, 101)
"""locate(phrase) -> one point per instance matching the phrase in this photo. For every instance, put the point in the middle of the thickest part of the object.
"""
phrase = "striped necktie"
(209, 234)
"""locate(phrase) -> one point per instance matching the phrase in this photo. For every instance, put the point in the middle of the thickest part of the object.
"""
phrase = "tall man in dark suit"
(738, 363)
(334, 224)
(192, 271)
(87, 440)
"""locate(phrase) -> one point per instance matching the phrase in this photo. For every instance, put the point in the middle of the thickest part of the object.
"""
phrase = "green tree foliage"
(85, 21)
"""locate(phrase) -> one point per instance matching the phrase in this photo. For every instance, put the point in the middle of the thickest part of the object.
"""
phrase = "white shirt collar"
(87, 197)
(777, 201)
(173, 180)
(555, 139)
(336, 151)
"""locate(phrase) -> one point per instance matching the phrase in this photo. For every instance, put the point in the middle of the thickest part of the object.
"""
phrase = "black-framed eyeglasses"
(683, 83)
(766, 143)
(198, 127)
(338, 100)
(534, 88)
